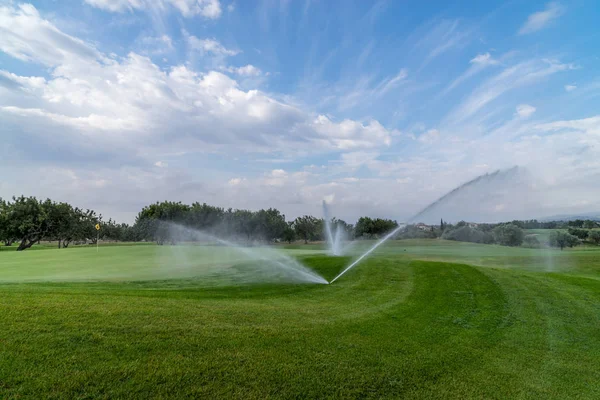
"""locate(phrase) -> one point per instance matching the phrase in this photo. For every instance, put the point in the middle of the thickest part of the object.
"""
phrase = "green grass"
(420, 319)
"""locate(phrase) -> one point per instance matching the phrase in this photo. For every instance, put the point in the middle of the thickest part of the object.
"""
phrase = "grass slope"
(395, 326)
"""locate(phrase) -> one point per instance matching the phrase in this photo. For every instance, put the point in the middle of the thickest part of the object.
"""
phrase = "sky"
(378, 107)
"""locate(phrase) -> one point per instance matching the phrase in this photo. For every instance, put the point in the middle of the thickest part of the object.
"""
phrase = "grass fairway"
(419, 319)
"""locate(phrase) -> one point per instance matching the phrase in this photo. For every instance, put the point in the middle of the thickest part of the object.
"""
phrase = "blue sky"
(379, 107)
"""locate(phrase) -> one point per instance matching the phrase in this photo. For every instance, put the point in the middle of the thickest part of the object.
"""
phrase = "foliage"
(307, 227)
(373, 228)
(579, 232)
(413, 232)
(508, 235)
(594, 237)
(531, 241)
(465, 233)
(563, 239)
(289, 234)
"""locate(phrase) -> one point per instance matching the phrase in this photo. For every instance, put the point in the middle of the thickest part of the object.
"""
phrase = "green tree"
(531, 241)
(508, 235)
(63, 223)
(579, 232)
(589, 224)
(306, 227)
(5, 234)
(269, 224)
(563, 239)
(594, 237)
(28, 221)
(465, 233)
(289, 234)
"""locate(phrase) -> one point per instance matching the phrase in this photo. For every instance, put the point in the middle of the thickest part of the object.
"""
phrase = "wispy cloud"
(541, 19)
(441, 38)
(210, 9)
(477, 64)
(209, 46)
(246, 70)
(525, 110)
(522, 74)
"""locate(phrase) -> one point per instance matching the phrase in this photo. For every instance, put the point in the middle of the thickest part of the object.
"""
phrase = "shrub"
(563, 239)
(580, 233)
(508, 235)
(594, 237)
(531, 241)
(465, 233)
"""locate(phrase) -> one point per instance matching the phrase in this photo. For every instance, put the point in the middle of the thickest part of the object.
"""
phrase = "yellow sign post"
(97, 235)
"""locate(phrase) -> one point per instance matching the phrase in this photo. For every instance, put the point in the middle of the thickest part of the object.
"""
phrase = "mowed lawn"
(419, 319)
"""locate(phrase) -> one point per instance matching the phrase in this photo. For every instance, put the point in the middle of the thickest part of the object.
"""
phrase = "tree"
(531, 241)
(580, 233)
(589, 224)
(508, 235)
(153, 220)
(289, 234)
(578, 223)
(244, 223)
(465, 233)
(269, 224)
(5, 234)
(306, 227)
(368, 227)
(563, 239)
(28, 221)
(594, 237)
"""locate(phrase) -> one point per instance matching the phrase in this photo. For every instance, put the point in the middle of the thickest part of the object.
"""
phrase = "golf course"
(416, 319)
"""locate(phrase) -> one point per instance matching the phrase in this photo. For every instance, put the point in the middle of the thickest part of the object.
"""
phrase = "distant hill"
(595, 216)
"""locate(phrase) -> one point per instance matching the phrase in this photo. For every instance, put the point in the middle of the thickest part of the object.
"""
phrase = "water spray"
(376, 245)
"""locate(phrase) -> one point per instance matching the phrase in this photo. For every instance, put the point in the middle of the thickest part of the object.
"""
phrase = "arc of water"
(287, 264)
(376, 245)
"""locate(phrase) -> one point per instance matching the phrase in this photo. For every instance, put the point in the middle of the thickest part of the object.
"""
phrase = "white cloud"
(541, 19)
(27, 37)
(478, 64)
(429, 137)
(441, 38)
(483, 59)
(207, 8)
(155, 107)
(235, 181)
(390, 83)
(570, 88)
(276, 177)
(246, 70)
(209, 46)
(522, 74)
(157, 45)
(357, 159)
(231, 7)
(350, 134)
(525, 110)
(590, 126)
(111, 118)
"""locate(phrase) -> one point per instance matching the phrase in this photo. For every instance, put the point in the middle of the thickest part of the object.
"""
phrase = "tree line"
(28, 220)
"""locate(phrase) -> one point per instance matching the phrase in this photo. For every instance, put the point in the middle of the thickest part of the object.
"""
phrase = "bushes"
(563, 239)
(579, 233)
(465, 233)
(531, 241)
(508, 235)
(594, 237)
